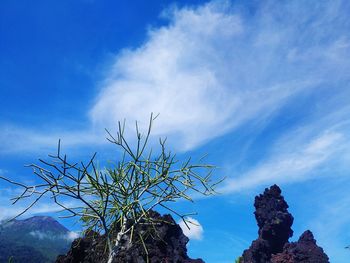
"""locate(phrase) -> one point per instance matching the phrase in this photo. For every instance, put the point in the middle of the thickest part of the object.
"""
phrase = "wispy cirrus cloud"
(44, 206)
(16, 139)
(291, 165)
(214, 68)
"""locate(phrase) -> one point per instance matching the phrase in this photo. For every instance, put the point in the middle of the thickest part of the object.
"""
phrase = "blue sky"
(261, 86)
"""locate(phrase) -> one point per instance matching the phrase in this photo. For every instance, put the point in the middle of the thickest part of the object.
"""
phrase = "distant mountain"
(38, 239)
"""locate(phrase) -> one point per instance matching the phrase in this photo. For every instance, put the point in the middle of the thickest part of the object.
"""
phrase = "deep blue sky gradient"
(54, 55)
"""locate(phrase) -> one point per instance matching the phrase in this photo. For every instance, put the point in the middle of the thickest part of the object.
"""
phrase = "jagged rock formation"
(303, 251)
(274, 222)
(168, 246)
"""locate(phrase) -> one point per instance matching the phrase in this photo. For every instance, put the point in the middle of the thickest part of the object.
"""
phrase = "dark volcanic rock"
(274, 222)
(273, 218)
(166, 245)
(91, 248)
(303, 251)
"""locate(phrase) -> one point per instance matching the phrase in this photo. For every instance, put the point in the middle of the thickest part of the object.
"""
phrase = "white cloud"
(205, 73)
(42, 235)
(19, 139)
(8, 211)
(290, 165)
(193, 230)
(212, 69)
(72, 235)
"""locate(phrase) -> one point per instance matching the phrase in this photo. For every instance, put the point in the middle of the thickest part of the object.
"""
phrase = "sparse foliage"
(138, 183)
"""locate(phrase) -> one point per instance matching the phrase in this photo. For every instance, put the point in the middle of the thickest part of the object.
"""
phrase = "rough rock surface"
(274, 222)
(303, 251)
(168, 246)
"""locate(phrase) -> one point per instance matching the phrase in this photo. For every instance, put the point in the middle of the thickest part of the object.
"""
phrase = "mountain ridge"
(38, 239)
